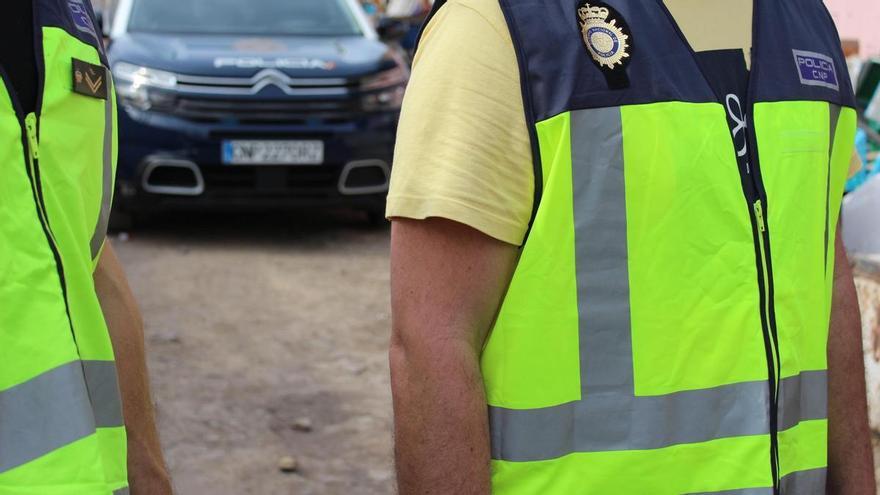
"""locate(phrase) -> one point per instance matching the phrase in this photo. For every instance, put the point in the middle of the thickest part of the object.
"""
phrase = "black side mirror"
(392, 29)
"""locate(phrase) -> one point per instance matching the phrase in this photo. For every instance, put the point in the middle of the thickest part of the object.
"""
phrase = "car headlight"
(384, 90)
(143, 87)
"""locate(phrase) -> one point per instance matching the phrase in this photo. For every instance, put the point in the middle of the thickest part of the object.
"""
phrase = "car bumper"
(355, 171)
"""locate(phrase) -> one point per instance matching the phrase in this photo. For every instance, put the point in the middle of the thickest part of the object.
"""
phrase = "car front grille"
(265, 111)
(270, 96)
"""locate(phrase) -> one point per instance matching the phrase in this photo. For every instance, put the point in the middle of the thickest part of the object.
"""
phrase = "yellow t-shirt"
(463, 150)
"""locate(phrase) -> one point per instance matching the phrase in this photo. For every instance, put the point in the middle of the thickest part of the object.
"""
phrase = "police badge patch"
(605, 35)
(89, 79)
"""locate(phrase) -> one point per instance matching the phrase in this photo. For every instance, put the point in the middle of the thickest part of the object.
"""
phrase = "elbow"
(414, 358)
(398, 359)
(420, 355)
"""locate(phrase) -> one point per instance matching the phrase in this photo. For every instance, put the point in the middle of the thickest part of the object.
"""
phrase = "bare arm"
(146, 467)
(850, 460)
(447, 281)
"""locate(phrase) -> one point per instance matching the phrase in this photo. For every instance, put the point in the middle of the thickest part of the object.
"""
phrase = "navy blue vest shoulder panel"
(560, 72)
(798, 55)
(74, 16)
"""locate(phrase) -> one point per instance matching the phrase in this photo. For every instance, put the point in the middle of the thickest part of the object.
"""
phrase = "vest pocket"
(794, 146)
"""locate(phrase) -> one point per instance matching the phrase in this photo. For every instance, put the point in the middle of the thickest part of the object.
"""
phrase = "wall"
(858, 19)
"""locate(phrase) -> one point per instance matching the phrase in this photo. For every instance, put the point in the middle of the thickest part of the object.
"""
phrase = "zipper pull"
(759, 215)
(30, 124)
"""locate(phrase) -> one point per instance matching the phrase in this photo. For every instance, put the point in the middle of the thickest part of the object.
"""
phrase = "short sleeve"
(463, 150)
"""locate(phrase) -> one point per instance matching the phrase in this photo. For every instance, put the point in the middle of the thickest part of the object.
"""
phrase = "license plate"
(250, 152)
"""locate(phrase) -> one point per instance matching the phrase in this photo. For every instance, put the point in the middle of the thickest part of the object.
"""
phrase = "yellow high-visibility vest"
(61, 425)
(665, 330)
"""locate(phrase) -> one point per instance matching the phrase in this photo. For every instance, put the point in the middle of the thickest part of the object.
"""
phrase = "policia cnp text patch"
(89, 79)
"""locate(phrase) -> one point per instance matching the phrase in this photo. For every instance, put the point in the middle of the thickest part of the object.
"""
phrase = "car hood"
(243, 56)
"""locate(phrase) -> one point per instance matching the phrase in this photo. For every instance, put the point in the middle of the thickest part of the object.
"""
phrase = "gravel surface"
(267, 338)
(267, 346)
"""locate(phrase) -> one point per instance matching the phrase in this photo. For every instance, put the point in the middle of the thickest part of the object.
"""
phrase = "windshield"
(247, 17)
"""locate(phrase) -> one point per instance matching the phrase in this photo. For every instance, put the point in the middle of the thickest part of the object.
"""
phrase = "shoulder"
(468, 49)
(462, 130)
(489, 10)
(484, 17)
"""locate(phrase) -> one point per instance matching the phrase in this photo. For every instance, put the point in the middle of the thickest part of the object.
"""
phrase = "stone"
(167, 337)
(303, 425)
(288, 464)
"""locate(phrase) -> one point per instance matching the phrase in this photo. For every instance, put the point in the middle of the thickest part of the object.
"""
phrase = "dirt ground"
(255, 325)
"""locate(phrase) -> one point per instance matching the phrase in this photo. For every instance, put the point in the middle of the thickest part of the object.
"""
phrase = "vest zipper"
(767, 312)
(758, 199)
(762, 230)
(32, 158)
(30, 122)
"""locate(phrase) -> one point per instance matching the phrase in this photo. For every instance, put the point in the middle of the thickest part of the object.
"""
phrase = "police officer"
(614, 260)
(71, 337)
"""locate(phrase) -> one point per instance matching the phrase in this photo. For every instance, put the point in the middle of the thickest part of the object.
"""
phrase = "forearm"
(441, 425)
(146, 465)
(850, 459)
(447, 281)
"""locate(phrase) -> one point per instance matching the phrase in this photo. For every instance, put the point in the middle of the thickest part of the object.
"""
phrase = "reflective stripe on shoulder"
(57, 408)
(107, 177)
(834, 114)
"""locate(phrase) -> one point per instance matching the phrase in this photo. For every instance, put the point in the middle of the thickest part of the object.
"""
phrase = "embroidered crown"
(590, 14)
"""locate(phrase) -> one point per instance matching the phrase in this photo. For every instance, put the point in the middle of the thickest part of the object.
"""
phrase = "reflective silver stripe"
(834, 112)
(605, 422)
(811, 482)
(122, 491)
(744, 491)
(103, 387)
(107, 177)
(802, 398)
(611, 422)
(44, 414)
(609, 417)
(53, 410)
(600, 243)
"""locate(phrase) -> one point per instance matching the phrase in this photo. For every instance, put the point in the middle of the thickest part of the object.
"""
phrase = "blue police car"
(267, 103)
